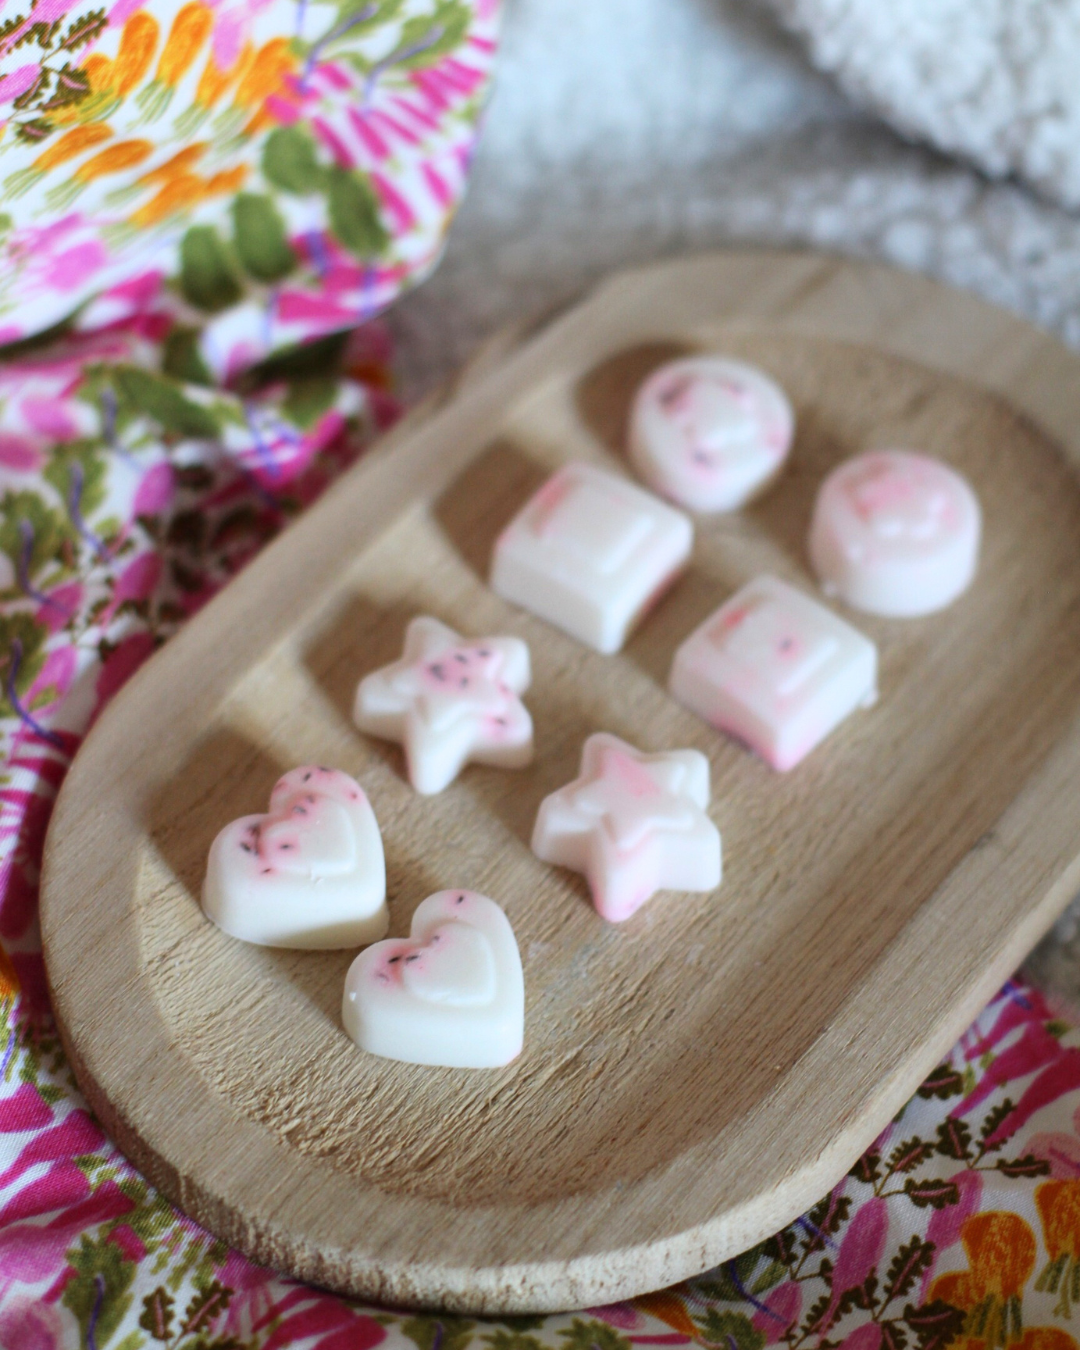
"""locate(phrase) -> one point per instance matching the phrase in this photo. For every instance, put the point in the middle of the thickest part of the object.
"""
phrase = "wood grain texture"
(696, 1077)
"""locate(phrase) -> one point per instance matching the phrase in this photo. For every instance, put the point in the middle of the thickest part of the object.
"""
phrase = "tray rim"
(1037, 838)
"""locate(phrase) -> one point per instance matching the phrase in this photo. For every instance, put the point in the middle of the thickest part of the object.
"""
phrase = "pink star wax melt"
(450, 994)
(589, 553)
(450, 700)
(634, 824)
(710, 433)
(895, 533)
(310, 873)
(775, 669)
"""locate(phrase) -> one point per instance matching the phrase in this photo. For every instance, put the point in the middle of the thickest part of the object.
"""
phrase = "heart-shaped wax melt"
(310, 873)
(311, 838)
(452, 994)
(455, 966)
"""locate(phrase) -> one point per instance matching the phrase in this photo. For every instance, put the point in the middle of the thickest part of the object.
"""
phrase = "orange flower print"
(137, 44)
(1000, 1248)
(187, 190)
(112, 80)
(1058, 1203)
(182, 162)
(188, 34)
(113, 159)
(1046, 1338)
(266, 76)
(213, 82)
(9, 981)
(68, 146)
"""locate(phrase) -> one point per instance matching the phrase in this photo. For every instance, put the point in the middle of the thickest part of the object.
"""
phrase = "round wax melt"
(710, 433)
(895, 533)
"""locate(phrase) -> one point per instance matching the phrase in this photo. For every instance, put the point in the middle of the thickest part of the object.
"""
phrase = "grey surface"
(626, 130)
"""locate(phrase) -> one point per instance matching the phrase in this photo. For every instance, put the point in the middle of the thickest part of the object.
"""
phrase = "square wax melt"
(775, 669)
(589, 552)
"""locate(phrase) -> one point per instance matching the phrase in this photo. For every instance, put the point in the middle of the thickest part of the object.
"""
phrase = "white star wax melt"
(309, 873)
(589, 553)
(634, 824)
(775, 669)
(450, 994)
(710, 433)
(448, 701)
(895, 533)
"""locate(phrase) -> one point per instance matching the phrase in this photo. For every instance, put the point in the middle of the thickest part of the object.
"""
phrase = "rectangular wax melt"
(589, 553)
(775, 669)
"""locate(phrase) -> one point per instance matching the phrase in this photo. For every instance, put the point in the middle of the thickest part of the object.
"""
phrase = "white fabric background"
(624, 130)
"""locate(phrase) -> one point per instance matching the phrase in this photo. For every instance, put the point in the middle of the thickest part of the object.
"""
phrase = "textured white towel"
(997, 81)
(622, 130)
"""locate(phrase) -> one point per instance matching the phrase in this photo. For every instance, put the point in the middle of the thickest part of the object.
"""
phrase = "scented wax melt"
(448, 701)
(634, 824)
(450, 994)
(895, 533)
(710, 433)
(775, 669)
(309, 873)
(589, 553)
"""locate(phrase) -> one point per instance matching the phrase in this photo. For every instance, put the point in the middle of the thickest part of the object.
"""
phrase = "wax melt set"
(893, 533)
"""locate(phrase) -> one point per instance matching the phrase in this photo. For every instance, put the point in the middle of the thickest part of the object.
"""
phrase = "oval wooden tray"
(697, 1077)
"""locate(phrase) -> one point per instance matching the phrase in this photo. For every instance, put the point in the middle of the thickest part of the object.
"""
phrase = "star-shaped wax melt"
(634, 824)
(448, 701)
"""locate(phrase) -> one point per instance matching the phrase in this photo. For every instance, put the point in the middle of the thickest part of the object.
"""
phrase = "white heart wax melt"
(895, 533)
(775, 669)
(310, 873)
(590, 552)
(451, 994)
(634, 824)
(710, 433)
(448, 701)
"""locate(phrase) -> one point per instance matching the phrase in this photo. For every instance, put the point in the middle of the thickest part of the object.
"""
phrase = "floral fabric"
(286, 165)
(190, 187)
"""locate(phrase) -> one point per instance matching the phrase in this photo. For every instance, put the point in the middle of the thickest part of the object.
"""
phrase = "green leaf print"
(936, 1194)
(429, 37)
(733, 1330)
(954, 1139)
(157, 1314)
(78, 471)
(354, 213)
(439, 1333)
(911, 1261)
(83, 29)
(98, 1292)
(944, 1082)
(22, 655)
(308, 400)
(164, 401)
(290, 161)
(728, 1283)
(910, 1154)
(181, 358)
(208, 276)
(206, 1306)
(935, 1324)
(259, 238)
(33, 535)
(501, 1339)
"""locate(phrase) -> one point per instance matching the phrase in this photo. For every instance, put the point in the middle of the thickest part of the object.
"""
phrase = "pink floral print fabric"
(189, 187)
(287, 165)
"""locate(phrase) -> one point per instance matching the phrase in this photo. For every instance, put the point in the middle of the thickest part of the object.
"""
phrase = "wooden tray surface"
(692, 1079)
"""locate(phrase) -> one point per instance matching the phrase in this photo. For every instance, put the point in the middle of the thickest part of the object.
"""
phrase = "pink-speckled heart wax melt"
(451, 994)
(310, 873)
